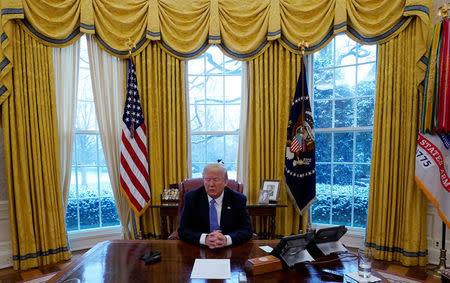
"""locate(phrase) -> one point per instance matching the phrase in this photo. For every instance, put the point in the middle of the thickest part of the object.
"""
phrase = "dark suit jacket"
(234, 219)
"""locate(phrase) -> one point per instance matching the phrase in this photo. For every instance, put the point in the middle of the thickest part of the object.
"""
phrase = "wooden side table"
(267, 214)
(168, 214)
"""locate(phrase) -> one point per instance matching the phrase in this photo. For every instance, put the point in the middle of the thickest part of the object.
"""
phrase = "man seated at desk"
(215, 215)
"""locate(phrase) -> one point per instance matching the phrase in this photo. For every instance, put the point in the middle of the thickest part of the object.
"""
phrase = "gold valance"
(185, 28)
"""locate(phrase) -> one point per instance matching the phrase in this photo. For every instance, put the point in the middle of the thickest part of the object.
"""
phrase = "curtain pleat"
(242, 161)
(29, 122)
(108, 91)
(161, 89)
(396, 225)
(66, 62)
(185, 29)
(273, 78)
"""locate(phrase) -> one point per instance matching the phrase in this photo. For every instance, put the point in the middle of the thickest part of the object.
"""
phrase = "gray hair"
(216, 167)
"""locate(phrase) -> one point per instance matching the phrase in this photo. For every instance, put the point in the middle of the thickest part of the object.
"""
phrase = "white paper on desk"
(211, 269)
(267, 249)
(357, 278)
(331, 247)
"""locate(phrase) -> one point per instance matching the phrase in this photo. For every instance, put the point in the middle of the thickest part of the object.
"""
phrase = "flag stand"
(140, 234)
(437, 271)
(302, 45)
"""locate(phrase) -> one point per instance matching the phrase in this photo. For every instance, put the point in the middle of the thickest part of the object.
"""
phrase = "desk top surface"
(250, 205)
(118, 261)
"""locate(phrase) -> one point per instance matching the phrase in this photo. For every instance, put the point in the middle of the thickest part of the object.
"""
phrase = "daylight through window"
(91, 203)
(214, 106)
(344, 76)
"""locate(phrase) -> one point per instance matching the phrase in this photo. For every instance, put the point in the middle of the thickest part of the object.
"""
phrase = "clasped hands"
(216, 239)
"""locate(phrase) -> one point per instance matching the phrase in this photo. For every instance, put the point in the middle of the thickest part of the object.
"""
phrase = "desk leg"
(164, 228)
(170, 231)
(272, 227)
(266, 228)
(253, 220)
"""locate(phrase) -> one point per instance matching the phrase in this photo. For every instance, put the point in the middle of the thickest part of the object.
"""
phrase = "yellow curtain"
(185, 28)
(273, 78)
(161, 89)
(396, 226)
(29, 122)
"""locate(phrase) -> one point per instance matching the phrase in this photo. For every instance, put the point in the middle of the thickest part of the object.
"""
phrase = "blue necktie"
(213, 222)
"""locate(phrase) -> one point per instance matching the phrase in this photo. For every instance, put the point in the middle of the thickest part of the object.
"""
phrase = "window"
(214, 106)
(91, 203)
(344, 76)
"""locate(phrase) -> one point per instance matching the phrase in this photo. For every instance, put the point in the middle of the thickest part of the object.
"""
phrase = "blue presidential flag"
(300, 165)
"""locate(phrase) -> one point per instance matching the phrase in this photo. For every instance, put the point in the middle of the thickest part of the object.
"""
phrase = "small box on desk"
(264, 264)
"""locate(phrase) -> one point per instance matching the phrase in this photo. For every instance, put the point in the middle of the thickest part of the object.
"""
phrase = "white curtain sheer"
(188, 115)
(242, 163)
(66, 63)
(107, 75)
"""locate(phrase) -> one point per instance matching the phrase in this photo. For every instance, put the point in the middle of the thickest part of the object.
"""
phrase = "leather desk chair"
(190, 184)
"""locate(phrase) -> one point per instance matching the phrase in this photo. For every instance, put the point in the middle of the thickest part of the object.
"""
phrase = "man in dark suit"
(215, 215)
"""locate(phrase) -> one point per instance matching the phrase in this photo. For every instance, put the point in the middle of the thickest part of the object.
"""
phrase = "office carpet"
(397, 277)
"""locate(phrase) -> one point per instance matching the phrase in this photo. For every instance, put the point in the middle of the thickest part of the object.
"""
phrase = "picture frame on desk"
(269, 191)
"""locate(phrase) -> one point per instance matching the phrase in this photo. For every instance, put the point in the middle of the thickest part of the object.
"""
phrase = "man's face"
(214, 183)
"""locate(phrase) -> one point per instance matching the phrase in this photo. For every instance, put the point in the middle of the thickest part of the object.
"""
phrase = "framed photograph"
(269, 191)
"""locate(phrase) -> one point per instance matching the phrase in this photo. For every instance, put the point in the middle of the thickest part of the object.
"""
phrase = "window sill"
(80, 240)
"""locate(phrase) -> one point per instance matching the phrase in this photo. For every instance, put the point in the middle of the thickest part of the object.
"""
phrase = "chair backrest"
(193, 183)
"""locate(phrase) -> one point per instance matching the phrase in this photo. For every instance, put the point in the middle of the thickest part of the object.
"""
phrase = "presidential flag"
(432, 171)
(134, 176)
(299, 169)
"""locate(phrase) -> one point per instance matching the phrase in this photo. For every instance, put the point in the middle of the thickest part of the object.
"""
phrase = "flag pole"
(442, 13)
(302, 45)
(132, 45)
(437, 271)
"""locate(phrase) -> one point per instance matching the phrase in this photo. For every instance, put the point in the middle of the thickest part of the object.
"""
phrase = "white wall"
(5, 232)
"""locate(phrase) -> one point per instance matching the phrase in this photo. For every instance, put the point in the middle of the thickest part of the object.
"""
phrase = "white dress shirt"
(218, 206)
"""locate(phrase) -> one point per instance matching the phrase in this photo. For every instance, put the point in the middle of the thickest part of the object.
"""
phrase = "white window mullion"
(198, 67)
(86, 129)
(329, 63)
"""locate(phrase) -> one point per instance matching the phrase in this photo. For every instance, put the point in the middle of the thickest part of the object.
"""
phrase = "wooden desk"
(118, 261)
(266, 212)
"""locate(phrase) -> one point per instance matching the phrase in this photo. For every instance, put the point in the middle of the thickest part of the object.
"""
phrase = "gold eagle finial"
(302, 45)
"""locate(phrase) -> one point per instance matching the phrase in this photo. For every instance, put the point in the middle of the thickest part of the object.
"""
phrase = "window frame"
(354, 230)
(98, 165)
(204, 131)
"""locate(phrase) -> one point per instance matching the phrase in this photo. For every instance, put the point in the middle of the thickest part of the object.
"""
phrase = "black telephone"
(151, 257)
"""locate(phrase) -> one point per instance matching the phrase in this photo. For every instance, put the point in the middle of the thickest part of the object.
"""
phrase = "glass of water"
(365, 258)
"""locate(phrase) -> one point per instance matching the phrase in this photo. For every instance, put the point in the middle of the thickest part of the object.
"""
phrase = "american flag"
(295, 145)
(134, 177)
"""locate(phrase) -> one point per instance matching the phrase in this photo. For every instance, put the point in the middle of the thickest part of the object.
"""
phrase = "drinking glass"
(365, 258)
